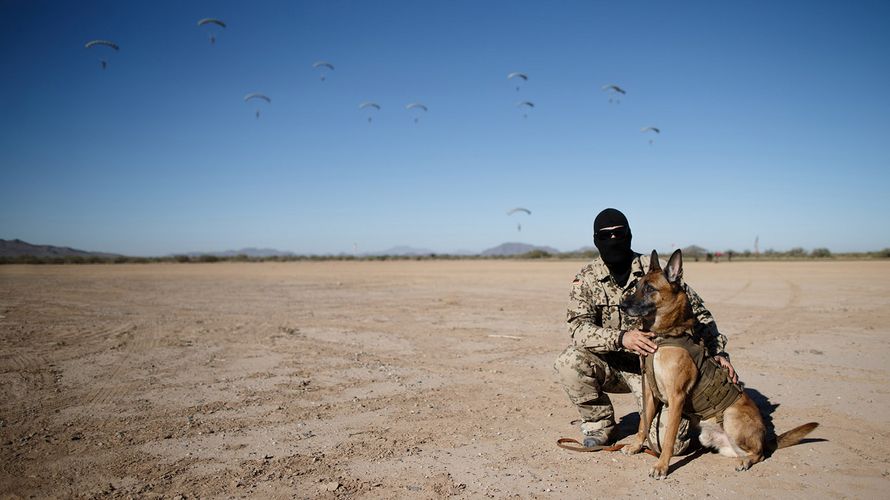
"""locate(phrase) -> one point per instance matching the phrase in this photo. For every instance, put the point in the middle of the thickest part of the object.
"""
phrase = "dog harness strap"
(717, 391)
(649, 373)
(686, 342)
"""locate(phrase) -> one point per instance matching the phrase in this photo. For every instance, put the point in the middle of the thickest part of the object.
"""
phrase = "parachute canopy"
(256, 95)
(213, 25)
(519, 210)
(525, 106)
(653, 129)
(210, 20)
(323, 67)
(414, 106)
(106, 43)
(369, 105)
(102, 43)
(614, 88)
(518, 76)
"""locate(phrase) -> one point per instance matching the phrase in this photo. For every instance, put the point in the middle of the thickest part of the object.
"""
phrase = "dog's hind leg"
(746, 431)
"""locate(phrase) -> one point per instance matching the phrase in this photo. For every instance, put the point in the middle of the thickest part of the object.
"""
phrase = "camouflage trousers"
(588, 378)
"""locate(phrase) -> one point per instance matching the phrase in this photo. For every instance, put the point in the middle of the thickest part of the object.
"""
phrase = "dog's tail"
(793, 436)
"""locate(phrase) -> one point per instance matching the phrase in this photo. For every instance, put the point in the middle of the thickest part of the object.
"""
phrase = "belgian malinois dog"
(660, 300)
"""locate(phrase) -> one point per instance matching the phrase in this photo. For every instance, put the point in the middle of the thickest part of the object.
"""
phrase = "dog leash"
(573, 445)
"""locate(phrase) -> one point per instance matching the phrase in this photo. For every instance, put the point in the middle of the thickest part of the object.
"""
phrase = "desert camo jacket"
(595, 322)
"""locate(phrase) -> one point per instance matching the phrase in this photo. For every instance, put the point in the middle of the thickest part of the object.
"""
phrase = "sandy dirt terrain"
(405, 379)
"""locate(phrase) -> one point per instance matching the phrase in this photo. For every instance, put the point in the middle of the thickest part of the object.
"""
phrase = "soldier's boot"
(597, 433)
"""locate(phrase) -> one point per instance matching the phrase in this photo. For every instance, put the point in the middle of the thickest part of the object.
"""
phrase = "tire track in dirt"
(768, 318)
(22, 363)
(32, 370)
(52, 378)
(22, 373)
(735, 293)
(131, 340)
(769, 314)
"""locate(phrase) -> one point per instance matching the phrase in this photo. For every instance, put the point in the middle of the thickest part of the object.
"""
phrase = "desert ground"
(406, 379)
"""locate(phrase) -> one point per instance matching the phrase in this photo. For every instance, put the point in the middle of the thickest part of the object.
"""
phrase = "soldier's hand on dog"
(726, 364)
(639, 342)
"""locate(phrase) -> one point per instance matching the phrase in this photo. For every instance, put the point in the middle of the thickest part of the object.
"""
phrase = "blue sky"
(774, 120)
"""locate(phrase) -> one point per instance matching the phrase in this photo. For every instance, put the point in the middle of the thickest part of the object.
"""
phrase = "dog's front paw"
(743, 465)
(635, 446)
(659, 471)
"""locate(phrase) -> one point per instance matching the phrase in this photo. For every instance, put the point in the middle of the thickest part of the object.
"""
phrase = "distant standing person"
(606, 344)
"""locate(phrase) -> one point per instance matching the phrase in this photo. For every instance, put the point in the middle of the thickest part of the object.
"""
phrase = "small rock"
(332, 486)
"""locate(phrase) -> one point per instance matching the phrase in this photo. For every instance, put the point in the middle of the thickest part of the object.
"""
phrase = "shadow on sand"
(766, 410)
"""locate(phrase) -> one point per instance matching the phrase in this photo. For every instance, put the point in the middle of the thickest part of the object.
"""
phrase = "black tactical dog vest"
(712, 393)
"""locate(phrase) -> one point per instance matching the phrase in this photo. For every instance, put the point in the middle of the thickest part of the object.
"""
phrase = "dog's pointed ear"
(654, 265)
(674, 270)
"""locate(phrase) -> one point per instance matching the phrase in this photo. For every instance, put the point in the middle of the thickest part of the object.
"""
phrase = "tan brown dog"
(737, 430)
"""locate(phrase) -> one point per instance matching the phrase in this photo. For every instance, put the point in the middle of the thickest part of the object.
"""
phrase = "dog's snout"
(632, 307)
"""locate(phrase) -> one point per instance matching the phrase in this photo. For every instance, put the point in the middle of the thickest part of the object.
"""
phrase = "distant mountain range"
(250, 252)
(402, 250)
(19, 248)
(507, 249)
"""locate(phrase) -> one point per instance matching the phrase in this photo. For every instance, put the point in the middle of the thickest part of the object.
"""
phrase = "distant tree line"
(796, 253)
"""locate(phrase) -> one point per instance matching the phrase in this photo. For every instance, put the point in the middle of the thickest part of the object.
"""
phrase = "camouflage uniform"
(596, 363)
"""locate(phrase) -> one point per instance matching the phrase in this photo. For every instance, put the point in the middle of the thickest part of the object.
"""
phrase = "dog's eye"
(649, 288)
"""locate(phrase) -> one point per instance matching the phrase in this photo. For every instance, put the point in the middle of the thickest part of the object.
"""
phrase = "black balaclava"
(615, 252)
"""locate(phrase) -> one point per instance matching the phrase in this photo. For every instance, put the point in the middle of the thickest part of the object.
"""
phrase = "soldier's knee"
(573, 368)
(568, 361)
